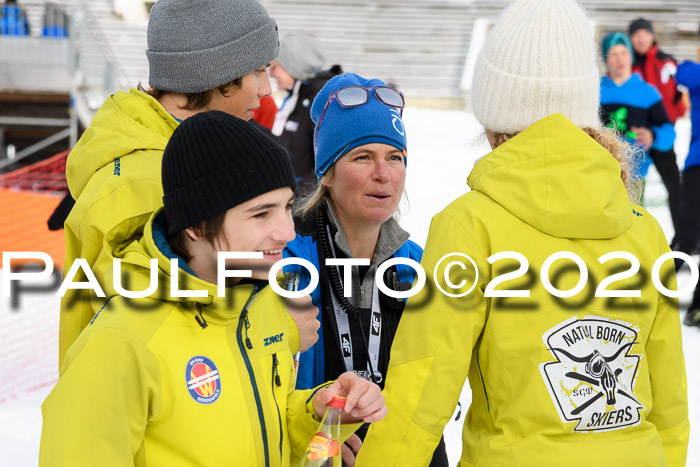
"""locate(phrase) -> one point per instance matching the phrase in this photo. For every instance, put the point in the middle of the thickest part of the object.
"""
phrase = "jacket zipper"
(239, 338)
(483, 384)
(277, 382)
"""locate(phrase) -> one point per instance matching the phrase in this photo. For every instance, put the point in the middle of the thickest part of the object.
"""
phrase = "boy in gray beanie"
(203, 55)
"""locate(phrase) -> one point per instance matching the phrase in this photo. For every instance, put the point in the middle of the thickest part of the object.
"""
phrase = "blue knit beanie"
(345, 129)
(616, 38)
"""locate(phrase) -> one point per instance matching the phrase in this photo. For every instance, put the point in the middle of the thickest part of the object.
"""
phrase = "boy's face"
(284, 79)
(241, 101)
(642, 40)
(263, 224)
(619, 61)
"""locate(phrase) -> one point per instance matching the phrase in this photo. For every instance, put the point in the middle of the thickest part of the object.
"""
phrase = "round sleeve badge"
(203, 380)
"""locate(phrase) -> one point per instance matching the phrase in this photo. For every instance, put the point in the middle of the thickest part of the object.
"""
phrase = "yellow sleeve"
(669, 392)
(431, 353)
(98, 411)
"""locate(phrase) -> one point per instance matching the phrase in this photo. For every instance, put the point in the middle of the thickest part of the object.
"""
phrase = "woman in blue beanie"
(360, 162)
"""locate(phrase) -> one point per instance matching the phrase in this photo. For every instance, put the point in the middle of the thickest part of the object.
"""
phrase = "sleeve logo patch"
(203, 380)
(273, 339)
(592, 380)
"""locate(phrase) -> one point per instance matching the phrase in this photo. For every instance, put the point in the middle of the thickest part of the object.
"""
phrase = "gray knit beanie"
(301, 56)
(196, 46)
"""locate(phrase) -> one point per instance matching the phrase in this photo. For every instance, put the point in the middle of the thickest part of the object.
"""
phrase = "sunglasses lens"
(352, 96)
(390, 97)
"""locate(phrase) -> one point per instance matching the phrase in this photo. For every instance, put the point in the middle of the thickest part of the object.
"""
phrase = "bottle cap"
(337, 402)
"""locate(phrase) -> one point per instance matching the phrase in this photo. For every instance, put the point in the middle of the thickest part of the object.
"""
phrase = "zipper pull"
(459, 412)
(200, 318)
(275, 362)
(248, 343)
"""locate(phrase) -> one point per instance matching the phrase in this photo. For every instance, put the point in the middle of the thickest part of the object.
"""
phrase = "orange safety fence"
(29, 318)
(23, 224)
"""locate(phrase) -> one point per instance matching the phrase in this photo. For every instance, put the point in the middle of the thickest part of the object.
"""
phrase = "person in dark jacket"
(360, 165)
(299, 70)
(688, 237)
(658, 69)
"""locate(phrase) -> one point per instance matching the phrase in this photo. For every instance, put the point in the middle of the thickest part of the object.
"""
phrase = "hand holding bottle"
(364, 401)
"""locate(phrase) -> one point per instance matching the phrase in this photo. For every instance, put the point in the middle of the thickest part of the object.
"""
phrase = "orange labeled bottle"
(324, 448)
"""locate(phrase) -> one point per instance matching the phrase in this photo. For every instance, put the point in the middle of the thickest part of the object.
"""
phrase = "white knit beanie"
(538, 60)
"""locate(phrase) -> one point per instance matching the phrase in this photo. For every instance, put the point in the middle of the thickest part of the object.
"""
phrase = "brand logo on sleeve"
(274, 339)
(203, 380)
(592, 381)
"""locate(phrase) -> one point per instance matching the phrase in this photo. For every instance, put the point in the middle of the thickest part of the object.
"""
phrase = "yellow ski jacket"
(575, 381)
(114, 175)
(147, 385)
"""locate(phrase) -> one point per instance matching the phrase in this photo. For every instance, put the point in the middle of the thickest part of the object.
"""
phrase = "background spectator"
(689, 234)
(55, 21)
(299, 70)
(13, 20)
(658, 69)
(633, 107)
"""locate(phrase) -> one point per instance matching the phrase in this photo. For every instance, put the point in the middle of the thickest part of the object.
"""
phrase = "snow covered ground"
(443, 146)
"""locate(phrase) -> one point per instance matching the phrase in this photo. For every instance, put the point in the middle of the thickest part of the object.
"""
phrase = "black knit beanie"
(214, 162)
(640, 23)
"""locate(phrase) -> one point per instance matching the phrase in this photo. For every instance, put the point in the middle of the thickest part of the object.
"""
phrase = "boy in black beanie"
(207, 361)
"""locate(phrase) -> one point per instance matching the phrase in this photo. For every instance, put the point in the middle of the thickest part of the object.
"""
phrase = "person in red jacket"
(659, 69)
(656, 67)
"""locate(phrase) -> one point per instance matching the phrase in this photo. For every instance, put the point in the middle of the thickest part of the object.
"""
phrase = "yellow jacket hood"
(125, 123)
(114, 175)
(556, 155)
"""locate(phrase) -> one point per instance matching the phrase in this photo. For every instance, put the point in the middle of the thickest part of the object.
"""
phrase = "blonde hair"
(626, 155)
(306, 205)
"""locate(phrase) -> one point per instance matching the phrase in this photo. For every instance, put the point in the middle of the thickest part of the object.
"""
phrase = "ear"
(491, 138)
(326, 180)
(192, 233)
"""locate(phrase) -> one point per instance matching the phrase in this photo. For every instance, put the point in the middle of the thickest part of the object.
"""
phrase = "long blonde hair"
(306, 205)
(626, 155)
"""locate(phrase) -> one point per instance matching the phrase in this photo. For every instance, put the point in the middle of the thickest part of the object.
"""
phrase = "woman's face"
(367, 184)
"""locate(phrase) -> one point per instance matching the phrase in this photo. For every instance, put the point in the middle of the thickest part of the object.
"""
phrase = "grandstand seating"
(419, 45)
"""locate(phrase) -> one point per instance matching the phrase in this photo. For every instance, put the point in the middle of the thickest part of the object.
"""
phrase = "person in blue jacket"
(636, 110)
(360, 162)
(688, 237)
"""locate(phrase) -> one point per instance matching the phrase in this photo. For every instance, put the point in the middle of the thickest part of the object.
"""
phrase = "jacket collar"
(391, 237)
(216, 310)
